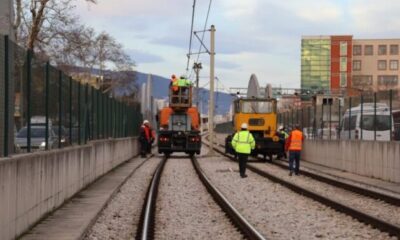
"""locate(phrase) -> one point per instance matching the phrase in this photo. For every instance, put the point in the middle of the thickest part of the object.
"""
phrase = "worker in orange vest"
(174, 83)
(174, 87)
(145, 138)
(294, 145)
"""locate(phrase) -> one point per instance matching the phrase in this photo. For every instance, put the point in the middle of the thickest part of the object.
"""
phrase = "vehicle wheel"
(265, 157)
(191, 154)
(270, 157)
(167, 154)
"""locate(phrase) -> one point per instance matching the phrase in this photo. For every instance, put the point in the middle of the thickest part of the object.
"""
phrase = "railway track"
(384, 226)
(147, 223)
(334, 182)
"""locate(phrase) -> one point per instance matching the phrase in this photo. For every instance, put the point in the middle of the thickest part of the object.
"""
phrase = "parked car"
(64, 135)
(357, 124)
(38, 139)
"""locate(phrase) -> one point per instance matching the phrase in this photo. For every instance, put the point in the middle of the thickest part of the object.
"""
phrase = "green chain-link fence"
(43, 108)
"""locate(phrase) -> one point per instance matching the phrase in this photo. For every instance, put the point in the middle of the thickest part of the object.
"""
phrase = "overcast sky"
(253, 36)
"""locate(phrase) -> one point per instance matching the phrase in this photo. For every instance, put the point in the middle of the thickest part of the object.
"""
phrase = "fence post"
(107, 112)
(340, 113)
(315, 122)
(6, 96)
(349, 119)
(47, 102)
(322, 119)
(87, 113)
(97, 114)
(28, 98)
(93, 109)
(375, 116)
(330, 120)
(103, 118)
(59, 107)
(391, 111)
(362, 117)
(70, 111)
(79, 113)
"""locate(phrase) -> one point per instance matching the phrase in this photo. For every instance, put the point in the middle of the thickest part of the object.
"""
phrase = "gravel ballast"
(119, 220)
(373, 207)
(279, 213)
(185, 210)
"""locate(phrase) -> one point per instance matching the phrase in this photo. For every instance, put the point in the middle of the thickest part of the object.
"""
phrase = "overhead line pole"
(211, 103)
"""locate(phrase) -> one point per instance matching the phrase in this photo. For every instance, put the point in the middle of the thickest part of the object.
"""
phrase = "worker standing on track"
(152, 139)
(243, 142)
(145, 138)
(294, 145)
(282, 139)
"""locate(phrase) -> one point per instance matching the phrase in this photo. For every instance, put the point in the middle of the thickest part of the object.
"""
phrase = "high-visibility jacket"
(243, 142)
(294, 141)
(184, 83)
(284, 134)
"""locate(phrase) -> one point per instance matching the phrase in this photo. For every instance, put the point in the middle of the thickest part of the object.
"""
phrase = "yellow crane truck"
(261, 118)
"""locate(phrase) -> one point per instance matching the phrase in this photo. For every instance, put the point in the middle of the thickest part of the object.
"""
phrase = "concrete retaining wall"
(368, 158)
(32, 185)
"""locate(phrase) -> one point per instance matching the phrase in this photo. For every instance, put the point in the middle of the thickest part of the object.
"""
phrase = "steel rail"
(146, 229)
(237, 219)
(382, 225)
(349, 187)
(337, 183)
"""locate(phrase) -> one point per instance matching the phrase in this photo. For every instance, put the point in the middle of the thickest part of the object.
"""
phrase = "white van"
(351, 126)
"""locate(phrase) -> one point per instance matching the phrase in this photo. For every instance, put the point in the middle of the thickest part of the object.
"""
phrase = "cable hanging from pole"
(191, 36)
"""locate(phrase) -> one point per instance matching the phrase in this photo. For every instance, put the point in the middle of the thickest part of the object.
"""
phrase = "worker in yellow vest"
(243, 142)
(294, 145)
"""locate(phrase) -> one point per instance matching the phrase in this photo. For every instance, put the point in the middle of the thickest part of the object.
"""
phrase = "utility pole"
(197, 67)
(211, 103)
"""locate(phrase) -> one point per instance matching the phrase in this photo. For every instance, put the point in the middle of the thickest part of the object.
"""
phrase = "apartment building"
(339, 63)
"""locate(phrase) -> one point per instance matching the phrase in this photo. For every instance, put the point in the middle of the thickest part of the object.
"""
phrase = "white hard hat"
(244, 125)
(280, 128)
(146, 122)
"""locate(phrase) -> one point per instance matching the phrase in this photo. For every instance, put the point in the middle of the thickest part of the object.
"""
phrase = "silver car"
(38, 139)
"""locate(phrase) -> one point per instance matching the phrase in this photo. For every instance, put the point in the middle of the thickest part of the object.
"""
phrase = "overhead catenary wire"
(191, 36)
(202, 36)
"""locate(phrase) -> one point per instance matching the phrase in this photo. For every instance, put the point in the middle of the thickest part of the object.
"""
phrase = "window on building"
(361, 80)
(343, 79)
(388, 80)
(394, 65)
(381, 64)
(357, 50)
(343, 64)
(343, 48)
(394, 49)
(368, 50)
(357, 65)
(382, 50)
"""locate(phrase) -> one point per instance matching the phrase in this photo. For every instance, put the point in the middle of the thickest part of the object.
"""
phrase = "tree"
(35, 17)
